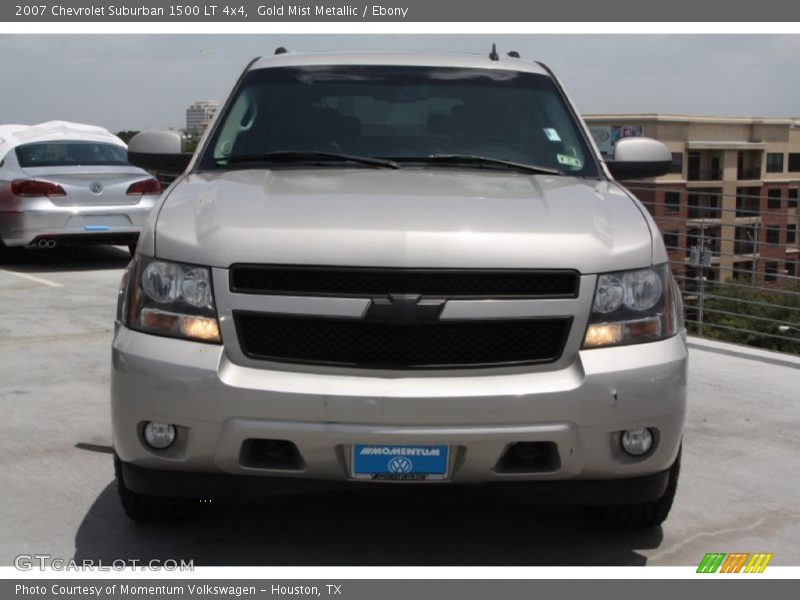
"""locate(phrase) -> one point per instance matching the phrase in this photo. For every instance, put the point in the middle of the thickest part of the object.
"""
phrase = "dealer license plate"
(400, 463)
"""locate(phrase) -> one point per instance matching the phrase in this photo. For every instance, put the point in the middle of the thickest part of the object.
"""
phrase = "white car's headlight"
(630, 307)
(168, 298)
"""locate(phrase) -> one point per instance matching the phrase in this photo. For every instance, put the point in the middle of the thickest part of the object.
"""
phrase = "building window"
(774, 198)
(672, 201)
(774, 162)
(791, 234)
(773, 234)
(794, 162)
(793, 198)
(792, 269)
(671, 240)
(748, 202)
(771, 271)
(677, 163)
(693, 202)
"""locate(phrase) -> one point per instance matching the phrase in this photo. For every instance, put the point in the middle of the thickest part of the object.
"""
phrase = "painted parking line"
(32, 278)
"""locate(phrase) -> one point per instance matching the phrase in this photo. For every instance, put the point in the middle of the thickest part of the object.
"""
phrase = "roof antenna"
(493, 55)
(281, 50)
(514, 54)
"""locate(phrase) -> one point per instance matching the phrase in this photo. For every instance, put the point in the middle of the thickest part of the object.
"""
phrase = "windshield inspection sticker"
(552, 134)
(571, 161)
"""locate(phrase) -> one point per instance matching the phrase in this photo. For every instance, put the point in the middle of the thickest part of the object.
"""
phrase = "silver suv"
(393, 270)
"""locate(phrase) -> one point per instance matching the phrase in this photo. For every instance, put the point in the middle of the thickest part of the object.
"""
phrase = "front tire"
(5, 252)
(644, 514)
(152, 509)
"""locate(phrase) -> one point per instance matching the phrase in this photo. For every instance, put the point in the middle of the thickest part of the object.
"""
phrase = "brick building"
(733, 189)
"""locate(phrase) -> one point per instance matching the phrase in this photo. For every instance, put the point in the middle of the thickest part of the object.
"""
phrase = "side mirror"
(639, 157)
(160, 151)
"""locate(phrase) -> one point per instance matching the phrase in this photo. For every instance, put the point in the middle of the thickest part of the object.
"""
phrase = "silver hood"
(405, 218)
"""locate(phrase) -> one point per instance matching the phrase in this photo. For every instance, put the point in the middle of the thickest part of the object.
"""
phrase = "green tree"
(750, 316)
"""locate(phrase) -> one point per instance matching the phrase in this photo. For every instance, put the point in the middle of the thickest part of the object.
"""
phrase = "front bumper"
(221, 486)
(41, 219)
(217, 405)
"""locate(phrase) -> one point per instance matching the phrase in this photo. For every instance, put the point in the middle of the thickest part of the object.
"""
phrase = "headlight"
(643, 289)
(631, 307)
(167, 298)
(609, 294)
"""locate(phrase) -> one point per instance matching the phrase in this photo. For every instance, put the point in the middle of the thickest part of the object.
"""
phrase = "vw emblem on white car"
(400, 464)
(96, 187)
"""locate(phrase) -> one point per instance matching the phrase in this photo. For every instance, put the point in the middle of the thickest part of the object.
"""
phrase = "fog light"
(637, 442)
(159, 435)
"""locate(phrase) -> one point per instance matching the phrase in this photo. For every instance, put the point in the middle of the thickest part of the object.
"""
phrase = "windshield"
(67, 153)
(406, 114)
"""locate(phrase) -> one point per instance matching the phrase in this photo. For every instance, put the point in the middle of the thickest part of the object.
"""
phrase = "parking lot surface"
(738, 490)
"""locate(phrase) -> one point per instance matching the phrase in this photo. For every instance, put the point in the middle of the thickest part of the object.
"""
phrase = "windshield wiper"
(289, 156)
(472, 159)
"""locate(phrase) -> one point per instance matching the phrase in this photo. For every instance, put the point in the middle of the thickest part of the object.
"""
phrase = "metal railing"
(704, 174)
(748, 173)
(737, 285)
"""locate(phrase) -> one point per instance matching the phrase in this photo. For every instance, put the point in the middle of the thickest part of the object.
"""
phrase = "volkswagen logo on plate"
(400, 464)
(96, 187)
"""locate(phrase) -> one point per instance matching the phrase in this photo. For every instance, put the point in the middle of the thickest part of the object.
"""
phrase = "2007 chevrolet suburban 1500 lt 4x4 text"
(399, 269)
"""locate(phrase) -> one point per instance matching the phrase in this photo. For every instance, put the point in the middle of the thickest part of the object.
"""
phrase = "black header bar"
(463, 11)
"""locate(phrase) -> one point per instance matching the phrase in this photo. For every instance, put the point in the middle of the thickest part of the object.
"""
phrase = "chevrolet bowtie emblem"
(404, 309)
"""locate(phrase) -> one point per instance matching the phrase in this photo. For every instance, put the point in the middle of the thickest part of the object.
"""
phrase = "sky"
(125, 82)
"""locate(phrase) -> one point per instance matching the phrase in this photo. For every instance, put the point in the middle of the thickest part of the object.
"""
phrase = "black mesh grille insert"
(362, 281)
(362, 344)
